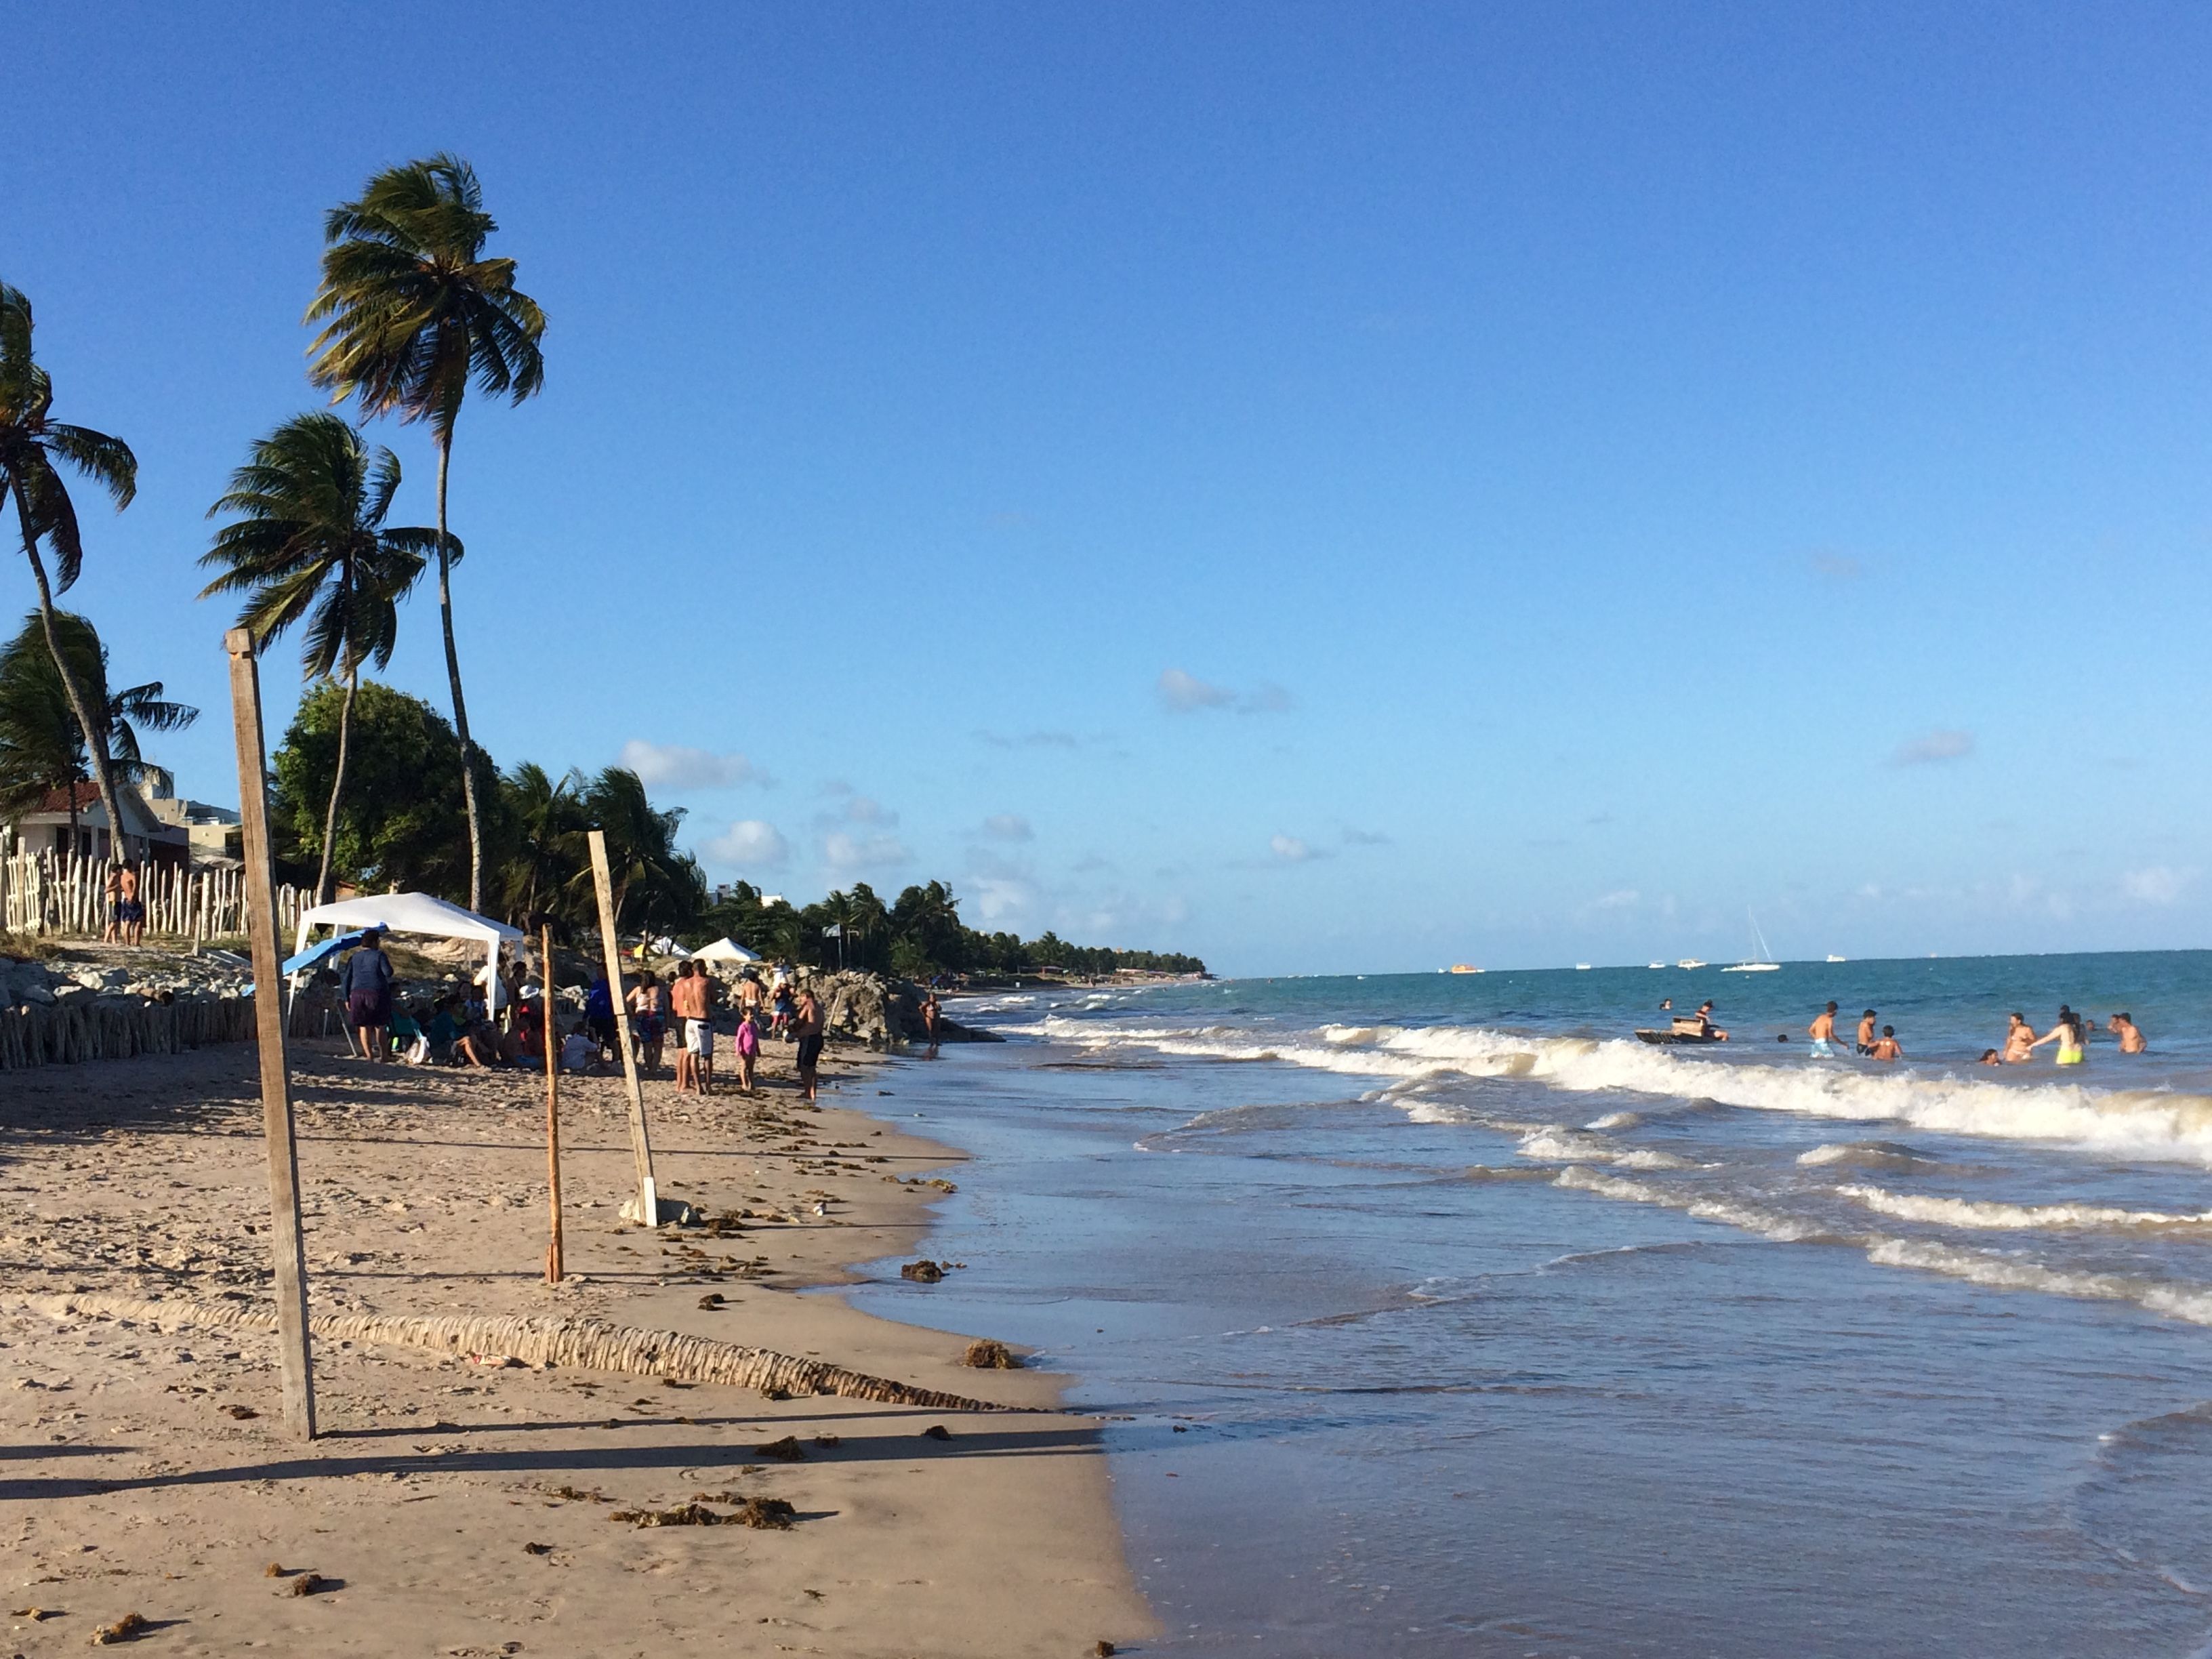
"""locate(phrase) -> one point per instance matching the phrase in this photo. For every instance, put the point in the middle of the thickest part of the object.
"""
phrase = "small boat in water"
(1689, 962)
(1832, 956)
(1687, 1028)
(1764, 962)
(1582, 967)
(1463, 967)
(1656, 965)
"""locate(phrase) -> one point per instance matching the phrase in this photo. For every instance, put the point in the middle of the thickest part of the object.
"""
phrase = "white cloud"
(1290, 849)
(849, 854)
(1621, 898)
(2156, 885)
(673, 766)
(749, 843)
(1008, 826)
(1934, 749)
(1185, 693)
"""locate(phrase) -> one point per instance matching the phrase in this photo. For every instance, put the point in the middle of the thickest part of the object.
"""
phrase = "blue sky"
(1326, 487)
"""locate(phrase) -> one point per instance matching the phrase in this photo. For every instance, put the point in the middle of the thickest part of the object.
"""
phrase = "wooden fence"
(43, 893)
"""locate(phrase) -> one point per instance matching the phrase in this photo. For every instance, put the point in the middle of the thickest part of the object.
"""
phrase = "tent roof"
(408, 913)
(725, 949)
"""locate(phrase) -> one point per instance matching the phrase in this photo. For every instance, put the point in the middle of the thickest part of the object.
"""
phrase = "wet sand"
(459, 1508)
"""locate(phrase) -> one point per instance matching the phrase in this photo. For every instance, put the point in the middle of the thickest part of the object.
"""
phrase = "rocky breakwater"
(880, 1012)
(116, 1005)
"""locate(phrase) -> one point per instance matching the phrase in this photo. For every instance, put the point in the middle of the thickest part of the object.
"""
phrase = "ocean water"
(1437, 1315)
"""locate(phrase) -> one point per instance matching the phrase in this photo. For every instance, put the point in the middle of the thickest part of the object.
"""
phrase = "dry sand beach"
(463, 1506)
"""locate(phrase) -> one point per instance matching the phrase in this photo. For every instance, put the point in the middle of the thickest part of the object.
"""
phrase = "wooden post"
(648, 1200)
(552, 1103)
(260, 883)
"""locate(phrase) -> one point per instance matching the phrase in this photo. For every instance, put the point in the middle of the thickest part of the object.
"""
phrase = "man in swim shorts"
(2129, 1034)
(1822, 1030)
(1866, 1032)
(806, 1025)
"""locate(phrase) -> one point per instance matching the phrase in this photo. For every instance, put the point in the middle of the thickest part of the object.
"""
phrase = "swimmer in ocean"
(2123, 1027)
(1704, 1018)
(1886, 1048)
(2019, 1037)
(1822, 1030)
(1866, 1032)
(2067, 1034)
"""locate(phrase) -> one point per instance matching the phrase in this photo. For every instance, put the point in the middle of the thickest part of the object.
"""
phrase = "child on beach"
(579, 1052)
(748, 1043)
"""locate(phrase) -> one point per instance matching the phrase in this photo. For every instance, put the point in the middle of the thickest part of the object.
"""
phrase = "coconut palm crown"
(308, 543)
(413, 314)
(34, 448)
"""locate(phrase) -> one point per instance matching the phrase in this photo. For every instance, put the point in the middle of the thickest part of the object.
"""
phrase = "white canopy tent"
(725, 949)
(410, 912)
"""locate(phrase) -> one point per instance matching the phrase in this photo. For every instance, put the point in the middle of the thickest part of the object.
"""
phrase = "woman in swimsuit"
(650, 1028)
(2067, 1034)
(2019, 1037)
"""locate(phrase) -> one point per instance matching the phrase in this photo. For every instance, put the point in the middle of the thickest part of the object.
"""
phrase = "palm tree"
(309, 542)
(42, 743)
(31, 443)
(547, 816)
(655, 885)
(411, 313)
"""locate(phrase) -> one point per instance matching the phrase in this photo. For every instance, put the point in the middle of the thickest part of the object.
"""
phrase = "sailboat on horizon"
(1764, 962)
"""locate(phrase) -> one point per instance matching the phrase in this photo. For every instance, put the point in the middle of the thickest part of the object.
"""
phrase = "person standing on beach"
(684, 1003)
(2131, 1034)
(1822, 1030)
(2019, 1037)
(1866, 1032)
(646, 1023)
(710, 1002)
(111, 890)
(748, 1045)
(930, 1013)
(129, 906)
(366, 985)
(806, 1026)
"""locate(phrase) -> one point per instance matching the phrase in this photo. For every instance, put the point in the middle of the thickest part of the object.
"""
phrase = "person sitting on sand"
(580, 1053)
(1822, 1030)
(443, 1032)
(2019, 1037)
(2131, 1036)
(2067, 1034)
(1989, 1058)
(1887, 1047)
(1866, 1032)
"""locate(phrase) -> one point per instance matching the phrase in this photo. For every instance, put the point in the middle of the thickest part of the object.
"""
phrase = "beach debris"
(924, 1271)
(243, 1414)
(128, 1628)
(786, 1450)
(937, 1432)
(311, 1583)
(1181, 1428)
(572, 1495)
(590, 1344)
(1105, 1650)
(771, 1514)
(667, 1212)
(37, 1616)
(712, 1300)
(538, 1549)
(986, 1354)
(275, 1570)
(828, 1440)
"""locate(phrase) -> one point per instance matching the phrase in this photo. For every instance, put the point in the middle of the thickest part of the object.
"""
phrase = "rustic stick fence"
(43, 893)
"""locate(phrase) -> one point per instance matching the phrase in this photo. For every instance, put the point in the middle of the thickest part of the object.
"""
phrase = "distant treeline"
(402, 823)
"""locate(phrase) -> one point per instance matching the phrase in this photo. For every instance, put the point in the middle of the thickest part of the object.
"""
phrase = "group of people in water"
(2069, 1032)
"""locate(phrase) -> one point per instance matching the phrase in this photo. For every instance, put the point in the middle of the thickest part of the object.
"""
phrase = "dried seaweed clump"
(786, 1450)
(924, 1271)
(989, 1355)
(772, 1513)
(129, 1628)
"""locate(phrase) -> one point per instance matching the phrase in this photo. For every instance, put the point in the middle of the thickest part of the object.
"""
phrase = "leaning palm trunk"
(337, 784)
(96, 732)
(590, 1344)
(454, 677)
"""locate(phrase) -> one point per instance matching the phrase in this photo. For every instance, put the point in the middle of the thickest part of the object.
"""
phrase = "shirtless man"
(1886, 1046)
(2129, 1034)
(128, 906)
(2019, 1038)
(806, 1026)
(1822, 1030)
(1866, 1032)
(687, 1000)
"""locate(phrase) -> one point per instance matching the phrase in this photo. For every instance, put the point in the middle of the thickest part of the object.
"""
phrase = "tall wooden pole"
(552, 1103)
(260, 896)
(648, 1200)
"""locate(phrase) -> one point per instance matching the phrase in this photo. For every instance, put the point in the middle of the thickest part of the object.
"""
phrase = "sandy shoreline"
(132, 1485)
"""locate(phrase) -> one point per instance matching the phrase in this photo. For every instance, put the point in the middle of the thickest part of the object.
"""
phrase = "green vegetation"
(42, 744)
(33, 449)
(309, 542)
(412, 313)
